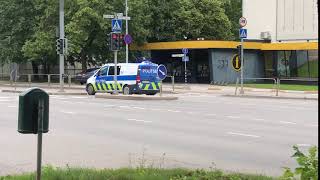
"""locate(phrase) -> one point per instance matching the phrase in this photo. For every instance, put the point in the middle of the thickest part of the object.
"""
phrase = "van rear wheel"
(126, 90)
(90, 90)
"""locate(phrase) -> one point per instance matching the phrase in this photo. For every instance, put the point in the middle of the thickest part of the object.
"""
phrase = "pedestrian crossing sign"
(243, 33)
(116, 25)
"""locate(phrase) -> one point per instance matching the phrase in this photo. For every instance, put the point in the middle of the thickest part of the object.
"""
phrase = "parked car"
(84, 75)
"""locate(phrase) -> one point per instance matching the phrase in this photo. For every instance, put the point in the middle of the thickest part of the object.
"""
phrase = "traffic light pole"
(115, 72)
(61, 55)
(127, 31)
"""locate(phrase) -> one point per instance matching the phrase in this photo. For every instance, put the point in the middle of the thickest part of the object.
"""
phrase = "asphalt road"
(196, 131)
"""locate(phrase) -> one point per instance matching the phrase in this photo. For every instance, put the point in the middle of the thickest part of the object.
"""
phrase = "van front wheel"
(90, 90)
(126, 90)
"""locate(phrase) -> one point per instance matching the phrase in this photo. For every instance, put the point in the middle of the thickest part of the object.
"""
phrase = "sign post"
(243, 34)
(162, 74)
(33, 118)
(185, 51)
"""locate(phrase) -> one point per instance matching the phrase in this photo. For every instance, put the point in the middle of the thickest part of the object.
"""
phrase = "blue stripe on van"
(119, 78)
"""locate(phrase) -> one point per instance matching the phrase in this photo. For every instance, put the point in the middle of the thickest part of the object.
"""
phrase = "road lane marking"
(67, 112)
(173, 111)
(12, 106)
(304, 145)
(287, 122)
(233, 117)
(241, 134)
(5, 100)
(137, 120)
(210, 115)
(124, 107)
(258, 119)
(139, 108)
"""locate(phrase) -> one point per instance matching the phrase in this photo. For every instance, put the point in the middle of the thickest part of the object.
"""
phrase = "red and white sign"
(242, 21)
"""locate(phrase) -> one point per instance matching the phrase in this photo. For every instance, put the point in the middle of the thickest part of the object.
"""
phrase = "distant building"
(282, 20)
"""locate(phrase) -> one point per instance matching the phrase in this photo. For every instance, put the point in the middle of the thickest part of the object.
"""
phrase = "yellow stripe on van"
(154, 86)
(104, 86)
(147, 87)
(109, 87)
(119, 86)
(114, 86)
(99, 86)
(94, 86)
(159, 85)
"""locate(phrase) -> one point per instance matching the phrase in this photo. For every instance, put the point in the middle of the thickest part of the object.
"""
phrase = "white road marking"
(173, 111)
(78, 97)
(67, 112)
(190, 113)
(287, 122)
(140, 120)
(304, 145)
(241, 134)
(233, 117)
(12, 106)
(5, 100)
(210, 115)
(138, 108)
(5, 97)
(155, 109)
(313, 125)
(124, 107)
(258, 119)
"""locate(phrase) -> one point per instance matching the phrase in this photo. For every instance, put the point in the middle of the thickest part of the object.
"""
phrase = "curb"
(135, 97)
(214, 88)
(50, 93)
(270, 97)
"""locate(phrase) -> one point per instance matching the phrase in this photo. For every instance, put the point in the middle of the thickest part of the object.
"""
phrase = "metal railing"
(275, 83)
(27, 78)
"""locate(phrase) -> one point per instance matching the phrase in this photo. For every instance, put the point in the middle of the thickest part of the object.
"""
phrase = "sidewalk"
(76, 89)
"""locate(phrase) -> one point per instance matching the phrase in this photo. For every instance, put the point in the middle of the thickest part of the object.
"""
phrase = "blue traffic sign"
(162, 72)
(127, 39)
(243, 33)
(116, 25)
(185, 51)
(185, 59)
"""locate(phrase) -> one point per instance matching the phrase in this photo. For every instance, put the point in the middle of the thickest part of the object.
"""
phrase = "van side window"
(104, 71)
(111, 70)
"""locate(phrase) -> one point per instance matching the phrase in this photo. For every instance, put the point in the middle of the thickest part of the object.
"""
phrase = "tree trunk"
(35, 69)
(83, 62)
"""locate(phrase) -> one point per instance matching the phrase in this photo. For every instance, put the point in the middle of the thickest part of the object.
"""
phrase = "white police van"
(132, 78)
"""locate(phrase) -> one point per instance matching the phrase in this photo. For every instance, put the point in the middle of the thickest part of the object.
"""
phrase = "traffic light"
(121, 40)
(115, 42)
(60, 46)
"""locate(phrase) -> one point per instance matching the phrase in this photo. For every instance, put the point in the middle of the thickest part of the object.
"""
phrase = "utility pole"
(127, 31)
(61, 55)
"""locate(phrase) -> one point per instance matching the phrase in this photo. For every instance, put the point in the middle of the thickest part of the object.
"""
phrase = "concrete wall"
(286, 20)
(222, 71)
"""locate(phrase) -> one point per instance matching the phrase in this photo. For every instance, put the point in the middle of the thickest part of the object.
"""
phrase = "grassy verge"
(50, 173)
(284, 87)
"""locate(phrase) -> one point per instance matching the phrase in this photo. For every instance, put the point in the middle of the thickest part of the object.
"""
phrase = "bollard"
(29, 79)
(69, 80)
(172, 80)
(49, 80)
(278, 87)
(237, 82)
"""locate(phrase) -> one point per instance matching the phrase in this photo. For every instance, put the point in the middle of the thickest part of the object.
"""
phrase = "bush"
(308, 165)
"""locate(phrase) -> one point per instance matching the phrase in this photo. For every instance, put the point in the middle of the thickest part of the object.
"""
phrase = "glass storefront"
(292, 64)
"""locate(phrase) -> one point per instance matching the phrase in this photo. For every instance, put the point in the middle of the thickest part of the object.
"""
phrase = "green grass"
(303, 70)
(284, 87)
(51, 173)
